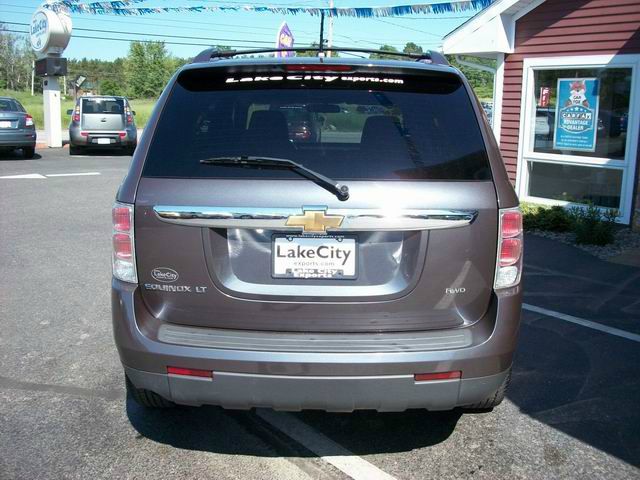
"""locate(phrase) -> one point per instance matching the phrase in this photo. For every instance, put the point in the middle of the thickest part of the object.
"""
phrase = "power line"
(147, 19)
(213, 39)
(407, 28)
(119, 32)
(142, 41)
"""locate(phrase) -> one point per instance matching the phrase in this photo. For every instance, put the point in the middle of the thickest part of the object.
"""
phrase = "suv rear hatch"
(222, 246)
(103, 114)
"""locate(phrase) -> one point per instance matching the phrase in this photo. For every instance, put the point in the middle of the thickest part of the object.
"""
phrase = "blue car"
(17, 128)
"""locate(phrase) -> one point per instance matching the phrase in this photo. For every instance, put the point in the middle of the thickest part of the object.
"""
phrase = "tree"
(411, 47)
(16, 59)
(147, 69)
(382, 56)
(309, 53)
(111, 87)
(481, 81)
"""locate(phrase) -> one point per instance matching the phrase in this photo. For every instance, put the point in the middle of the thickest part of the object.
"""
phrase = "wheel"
(28, 152)
(75, 150)
(147, 398)
(130, 149)
(492, 400)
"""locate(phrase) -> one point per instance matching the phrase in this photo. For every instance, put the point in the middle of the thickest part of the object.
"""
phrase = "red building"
(543, 49)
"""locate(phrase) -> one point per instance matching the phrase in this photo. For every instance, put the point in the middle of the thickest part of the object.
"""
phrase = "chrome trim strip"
(355, 219)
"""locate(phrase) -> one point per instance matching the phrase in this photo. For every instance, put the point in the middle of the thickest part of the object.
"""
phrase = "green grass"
(34, 107)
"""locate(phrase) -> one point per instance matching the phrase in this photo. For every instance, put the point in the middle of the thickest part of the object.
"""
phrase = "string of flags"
(125, 8)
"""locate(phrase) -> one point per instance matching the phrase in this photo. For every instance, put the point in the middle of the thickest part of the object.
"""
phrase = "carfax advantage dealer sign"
(576, 114)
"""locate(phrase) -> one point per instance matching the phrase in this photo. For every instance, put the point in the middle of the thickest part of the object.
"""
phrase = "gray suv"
(102, 122)
(376, 266)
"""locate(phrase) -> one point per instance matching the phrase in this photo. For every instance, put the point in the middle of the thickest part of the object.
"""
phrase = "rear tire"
(75, 150)
(129, 150)
(28, 152)
(147, 398)
(492, 400)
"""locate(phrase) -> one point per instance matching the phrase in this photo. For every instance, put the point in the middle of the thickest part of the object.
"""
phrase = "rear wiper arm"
(339, 190)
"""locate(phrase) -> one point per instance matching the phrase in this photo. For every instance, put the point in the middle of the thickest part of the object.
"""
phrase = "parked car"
(17, 128)
(104, 122)
(304, 125)
(380, 270)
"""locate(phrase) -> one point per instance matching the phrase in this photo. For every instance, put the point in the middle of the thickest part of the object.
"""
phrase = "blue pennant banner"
(123, 7)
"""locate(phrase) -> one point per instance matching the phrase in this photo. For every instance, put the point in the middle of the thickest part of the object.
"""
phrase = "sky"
(237, 29)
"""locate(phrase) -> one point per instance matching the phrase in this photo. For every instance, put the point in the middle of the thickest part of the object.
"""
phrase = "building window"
(613, 93)
(580, 131)
(575, 184)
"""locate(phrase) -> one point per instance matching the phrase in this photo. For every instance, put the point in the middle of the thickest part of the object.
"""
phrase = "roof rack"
(429, 56)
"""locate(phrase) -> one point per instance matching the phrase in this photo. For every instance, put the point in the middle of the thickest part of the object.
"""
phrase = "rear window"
(8, 105)
(383, 127)
(103, 105)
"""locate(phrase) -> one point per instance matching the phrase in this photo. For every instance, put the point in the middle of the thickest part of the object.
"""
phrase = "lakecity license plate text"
(323, 257)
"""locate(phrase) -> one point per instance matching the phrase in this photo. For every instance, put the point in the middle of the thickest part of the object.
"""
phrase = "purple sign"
(284, 40)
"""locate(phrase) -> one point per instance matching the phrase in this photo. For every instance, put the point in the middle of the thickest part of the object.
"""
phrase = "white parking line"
(38, 176)
(585, 323)
(28, 175)
(80, 174)
(328, 450)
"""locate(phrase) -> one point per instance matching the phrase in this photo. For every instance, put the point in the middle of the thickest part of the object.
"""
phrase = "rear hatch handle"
(339, 190)
(296, 219)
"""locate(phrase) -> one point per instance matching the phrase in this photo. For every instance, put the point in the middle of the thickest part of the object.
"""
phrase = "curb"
(44, 145)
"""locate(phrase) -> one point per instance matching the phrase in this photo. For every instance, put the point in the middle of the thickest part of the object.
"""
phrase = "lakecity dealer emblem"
(315, 221)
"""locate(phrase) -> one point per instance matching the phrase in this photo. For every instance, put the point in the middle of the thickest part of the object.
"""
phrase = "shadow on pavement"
(16, 155)
(583, 383)
(101, 152)
(208, 429)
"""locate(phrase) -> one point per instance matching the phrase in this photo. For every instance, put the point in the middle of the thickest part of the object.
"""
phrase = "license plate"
(5, 124)
(104, 141)
(314, 257)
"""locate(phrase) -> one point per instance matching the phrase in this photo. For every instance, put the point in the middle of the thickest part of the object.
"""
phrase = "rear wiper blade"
(339, 190)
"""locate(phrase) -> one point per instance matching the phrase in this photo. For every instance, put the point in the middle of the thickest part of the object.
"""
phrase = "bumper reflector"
(426, 377)
(190, 372)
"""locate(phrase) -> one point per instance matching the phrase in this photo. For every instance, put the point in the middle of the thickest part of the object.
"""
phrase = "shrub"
(593, 226)
(540, 217)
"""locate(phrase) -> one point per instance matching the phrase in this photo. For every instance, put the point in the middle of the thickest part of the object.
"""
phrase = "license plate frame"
(330, 271)
(103, 141)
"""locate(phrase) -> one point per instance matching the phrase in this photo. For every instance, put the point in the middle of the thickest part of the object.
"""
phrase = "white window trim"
(498, 91)
(631, 61)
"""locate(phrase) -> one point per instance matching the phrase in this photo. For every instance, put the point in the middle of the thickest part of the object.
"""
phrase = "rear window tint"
(8, 105)
(103, 105)
(384, 127)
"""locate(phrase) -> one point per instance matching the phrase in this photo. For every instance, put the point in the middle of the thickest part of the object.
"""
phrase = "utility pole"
(33, 74)
(330, 32)
(321, 46)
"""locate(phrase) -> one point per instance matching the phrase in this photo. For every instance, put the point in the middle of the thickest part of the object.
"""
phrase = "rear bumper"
(18, 138)
(384, 393)
(297, 378)
(92, 136)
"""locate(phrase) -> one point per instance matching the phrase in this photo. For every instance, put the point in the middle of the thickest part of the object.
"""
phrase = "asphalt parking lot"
(572, 410)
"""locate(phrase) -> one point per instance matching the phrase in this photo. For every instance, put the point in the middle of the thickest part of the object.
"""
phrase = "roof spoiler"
(213, 53)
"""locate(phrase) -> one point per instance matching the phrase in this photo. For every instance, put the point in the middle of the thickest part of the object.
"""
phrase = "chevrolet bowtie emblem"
(315, 221)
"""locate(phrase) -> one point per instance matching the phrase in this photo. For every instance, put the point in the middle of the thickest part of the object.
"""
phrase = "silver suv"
(102, 122)
(374, 266)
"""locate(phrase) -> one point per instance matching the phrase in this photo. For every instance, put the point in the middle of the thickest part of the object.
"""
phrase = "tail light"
(28, 121)
(124, 255)
(76, 114)
(322, 67)
(129, 116)
(509, 261)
